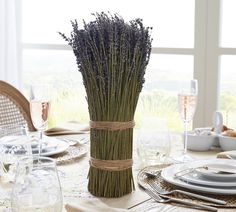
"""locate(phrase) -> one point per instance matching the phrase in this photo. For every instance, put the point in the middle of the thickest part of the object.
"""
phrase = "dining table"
(73, 178)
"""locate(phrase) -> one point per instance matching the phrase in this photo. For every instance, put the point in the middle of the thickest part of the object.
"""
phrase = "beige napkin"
(91, 206)
(68, 129)
(227, 154)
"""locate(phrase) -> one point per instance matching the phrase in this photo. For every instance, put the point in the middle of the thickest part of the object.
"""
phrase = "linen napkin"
(228, 154)
(68, 129)
(91, 206)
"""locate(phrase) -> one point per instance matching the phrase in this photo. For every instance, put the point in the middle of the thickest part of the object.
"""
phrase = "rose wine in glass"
(39, 113)
(187, 106)
(187, 99)
(39, 109)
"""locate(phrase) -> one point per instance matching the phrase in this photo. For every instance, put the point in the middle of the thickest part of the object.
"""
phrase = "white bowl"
(227, 143)
(200, 142)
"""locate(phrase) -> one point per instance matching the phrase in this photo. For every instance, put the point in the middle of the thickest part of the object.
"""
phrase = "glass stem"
(40, 141)
(185, 137)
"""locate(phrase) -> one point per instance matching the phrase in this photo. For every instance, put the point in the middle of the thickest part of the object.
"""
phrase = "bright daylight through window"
(180, 51)
(228, 63)
(46, 56)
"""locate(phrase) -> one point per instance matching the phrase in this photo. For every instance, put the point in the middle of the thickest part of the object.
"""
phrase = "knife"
(220, 170)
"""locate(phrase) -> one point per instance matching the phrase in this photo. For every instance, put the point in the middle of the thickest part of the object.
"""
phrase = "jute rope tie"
(111, 165)
(111, 126)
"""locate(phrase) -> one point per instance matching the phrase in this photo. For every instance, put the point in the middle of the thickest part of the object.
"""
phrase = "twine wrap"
(111, 126)
(111, 165)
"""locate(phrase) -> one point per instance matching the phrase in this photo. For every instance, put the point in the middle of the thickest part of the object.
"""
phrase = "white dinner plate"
(168, 174)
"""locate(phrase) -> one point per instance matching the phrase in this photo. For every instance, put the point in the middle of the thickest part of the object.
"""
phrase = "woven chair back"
(14, 107)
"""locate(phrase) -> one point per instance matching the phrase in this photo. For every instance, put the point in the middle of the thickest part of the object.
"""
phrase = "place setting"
(204, 184)
(216, 176)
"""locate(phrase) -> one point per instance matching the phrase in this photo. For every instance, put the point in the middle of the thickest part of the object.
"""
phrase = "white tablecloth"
(74, 181)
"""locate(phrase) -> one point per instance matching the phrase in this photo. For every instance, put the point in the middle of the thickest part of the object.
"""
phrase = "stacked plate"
(50, 146)
(216, 176)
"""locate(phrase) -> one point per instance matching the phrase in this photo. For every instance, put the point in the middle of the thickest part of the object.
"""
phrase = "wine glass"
(37, 186)
(39, 108)
(187, 99)
(153, 141)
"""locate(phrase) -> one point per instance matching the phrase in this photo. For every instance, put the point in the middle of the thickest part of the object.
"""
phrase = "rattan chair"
(14, 107)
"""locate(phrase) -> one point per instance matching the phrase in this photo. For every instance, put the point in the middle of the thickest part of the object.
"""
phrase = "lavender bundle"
(112, 56)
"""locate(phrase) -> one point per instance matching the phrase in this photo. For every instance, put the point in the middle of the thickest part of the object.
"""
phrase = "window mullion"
(212, 60)
(206, 59)
(200, 41)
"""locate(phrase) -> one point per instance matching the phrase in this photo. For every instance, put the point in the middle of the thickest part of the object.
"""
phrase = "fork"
(162, 191)
(69, 141)
(164, 199)
(74, 141)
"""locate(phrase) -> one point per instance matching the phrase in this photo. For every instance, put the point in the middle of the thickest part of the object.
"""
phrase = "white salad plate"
(213, 174)
(196, 178)
(51, 146)
(168, 174)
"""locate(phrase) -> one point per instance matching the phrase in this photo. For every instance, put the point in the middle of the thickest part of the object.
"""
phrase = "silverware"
(84, 140)
(232, 157)
(165, 199)
(74, 141)
(69, 141)
(162, 191)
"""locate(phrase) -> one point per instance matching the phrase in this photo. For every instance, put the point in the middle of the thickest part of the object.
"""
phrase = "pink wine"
(187, 106)
(39, 113)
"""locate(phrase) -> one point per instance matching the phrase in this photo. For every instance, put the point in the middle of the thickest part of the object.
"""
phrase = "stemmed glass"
(39, 108)
(37, 186)
(187, 99)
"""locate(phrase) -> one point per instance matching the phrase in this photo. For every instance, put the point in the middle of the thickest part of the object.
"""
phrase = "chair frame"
(19, 100)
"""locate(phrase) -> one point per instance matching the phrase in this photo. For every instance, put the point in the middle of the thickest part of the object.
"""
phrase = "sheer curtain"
(9, 51)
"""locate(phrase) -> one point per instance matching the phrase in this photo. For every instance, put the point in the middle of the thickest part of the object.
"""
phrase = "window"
(58, 68)
(190, 40)
(228, 63)
(159, 94)
(228, 89)
(46, 57)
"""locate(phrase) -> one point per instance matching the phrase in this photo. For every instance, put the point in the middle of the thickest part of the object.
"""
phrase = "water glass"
(14, 144)
(37, 186)
(153, 141)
